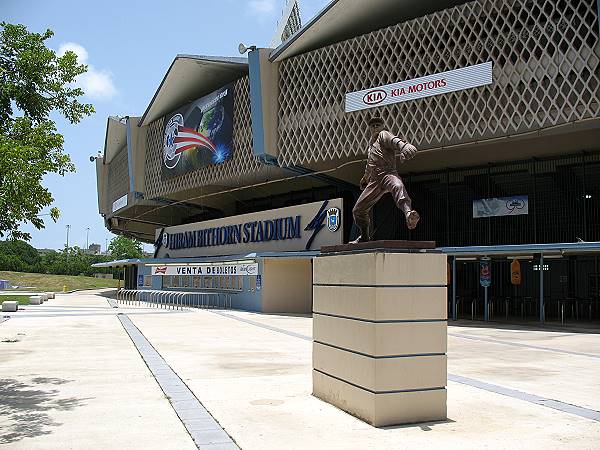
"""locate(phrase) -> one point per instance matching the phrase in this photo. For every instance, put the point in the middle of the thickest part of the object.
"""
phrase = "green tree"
(72, 261)
(122, 247)
(27, 256)
(34, 82)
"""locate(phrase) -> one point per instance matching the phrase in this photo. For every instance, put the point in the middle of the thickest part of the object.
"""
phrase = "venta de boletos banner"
(198, 134)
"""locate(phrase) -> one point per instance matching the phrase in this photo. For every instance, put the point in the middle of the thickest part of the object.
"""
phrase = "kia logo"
(374, 97)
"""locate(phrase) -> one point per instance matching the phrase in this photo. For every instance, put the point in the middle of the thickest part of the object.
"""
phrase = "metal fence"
(174, 300)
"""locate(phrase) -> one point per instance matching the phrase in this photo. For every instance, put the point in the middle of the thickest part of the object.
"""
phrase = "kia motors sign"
(427, 86)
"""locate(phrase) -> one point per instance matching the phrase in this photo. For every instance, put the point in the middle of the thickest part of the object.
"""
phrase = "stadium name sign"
(427, 86)
(256, 231)
(295, 228)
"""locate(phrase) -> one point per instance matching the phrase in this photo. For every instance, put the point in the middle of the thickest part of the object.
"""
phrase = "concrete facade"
(287, 285)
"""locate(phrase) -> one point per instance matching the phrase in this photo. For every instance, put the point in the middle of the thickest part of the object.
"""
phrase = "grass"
(54, 283)
(22, 299)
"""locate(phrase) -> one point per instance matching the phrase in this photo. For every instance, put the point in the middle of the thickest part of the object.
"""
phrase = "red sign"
(160, 270)
(374, 97)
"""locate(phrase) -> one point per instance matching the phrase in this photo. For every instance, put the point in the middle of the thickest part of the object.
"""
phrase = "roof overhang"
(118, 263)
(558, 249)
(191, 77)
(345, 19)
(238, 258)
(115, 139)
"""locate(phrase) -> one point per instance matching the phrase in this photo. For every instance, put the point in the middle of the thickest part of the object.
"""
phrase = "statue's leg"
(362, 208)
(393, 184)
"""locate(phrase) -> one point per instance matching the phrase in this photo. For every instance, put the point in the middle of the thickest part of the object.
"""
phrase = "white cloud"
(82, 54)
(97, 84)
(261, 6)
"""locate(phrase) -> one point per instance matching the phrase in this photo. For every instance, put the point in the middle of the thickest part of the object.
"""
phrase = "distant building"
(94, 249)
(106, 276)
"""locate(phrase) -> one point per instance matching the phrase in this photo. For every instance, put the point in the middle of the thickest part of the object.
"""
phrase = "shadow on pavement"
(424, 426)
(24, 407)
(109, 293)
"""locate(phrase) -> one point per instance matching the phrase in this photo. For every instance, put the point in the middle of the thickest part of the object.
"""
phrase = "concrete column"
(380, 335)
(454, 314)
(542, 312)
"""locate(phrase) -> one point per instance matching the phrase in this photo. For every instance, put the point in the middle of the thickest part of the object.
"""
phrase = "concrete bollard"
(44, 297)
(50, 295)
(10, 306)
(36, 300)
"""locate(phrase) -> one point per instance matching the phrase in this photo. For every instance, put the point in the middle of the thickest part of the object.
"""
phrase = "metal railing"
(174, 300)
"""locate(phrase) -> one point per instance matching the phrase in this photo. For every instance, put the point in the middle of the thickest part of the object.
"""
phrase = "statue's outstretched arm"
(403, 149)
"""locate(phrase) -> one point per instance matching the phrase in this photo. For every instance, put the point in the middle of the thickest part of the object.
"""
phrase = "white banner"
(119, 203)
(427, 86)
(503, 206)
(214, 269)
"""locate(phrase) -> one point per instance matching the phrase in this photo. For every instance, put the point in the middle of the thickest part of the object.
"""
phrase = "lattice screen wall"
(546, 72)
(242, 161)
(118, 178)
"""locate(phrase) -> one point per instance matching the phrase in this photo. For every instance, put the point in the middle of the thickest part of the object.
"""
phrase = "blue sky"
(128, 47)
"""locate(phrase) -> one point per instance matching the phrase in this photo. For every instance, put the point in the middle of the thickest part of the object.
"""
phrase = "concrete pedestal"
(36, 300)
(380, 334)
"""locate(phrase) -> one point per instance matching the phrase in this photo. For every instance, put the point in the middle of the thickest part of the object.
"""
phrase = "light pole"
(68, 228)
(87, 238)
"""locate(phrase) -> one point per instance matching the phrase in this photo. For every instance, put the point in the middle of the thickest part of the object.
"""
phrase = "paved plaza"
(77, 373)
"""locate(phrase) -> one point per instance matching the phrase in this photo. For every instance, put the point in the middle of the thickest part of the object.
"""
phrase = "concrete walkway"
(80, 383)
(70, 377)
(253, 373)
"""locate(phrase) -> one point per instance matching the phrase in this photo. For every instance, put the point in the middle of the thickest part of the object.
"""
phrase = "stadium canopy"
(115, 139)
(344, 19)
(190, 77)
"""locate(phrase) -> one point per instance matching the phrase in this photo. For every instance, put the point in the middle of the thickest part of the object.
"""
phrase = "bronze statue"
(381, 177)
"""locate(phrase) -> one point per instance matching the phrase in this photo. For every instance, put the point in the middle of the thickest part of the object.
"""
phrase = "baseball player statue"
(381, 177)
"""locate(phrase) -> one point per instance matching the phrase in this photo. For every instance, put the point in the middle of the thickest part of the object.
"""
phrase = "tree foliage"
(121, 247)
(72, 261)
(19, 256)
(34, 82)
(25, 253)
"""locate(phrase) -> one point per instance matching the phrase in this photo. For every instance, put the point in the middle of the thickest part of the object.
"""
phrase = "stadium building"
(241, 168)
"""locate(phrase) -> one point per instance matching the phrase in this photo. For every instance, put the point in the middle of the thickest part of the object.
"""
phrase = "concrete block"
(381, 374)
(380, 335)
(36, 300)
(44, 297)
(381, 339)
(382, 410)
(381, 269)
(382, 303)
(10, 306)
(50, 295)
